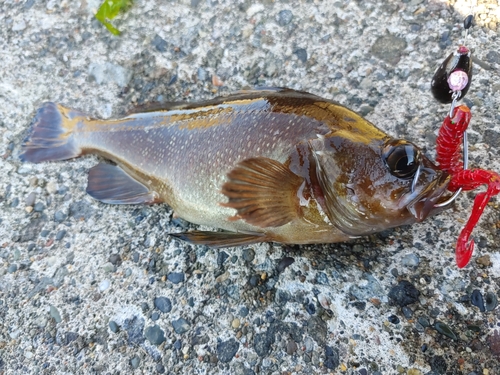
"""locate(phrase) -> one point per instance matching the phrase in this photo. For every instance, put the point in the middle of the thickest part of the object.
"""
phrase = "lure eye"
(402, 159)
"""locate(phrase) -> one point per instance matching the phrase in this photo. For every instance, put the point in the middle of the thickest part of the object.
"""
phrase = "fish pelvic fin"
(51, 135)
(219, 239)
(109, 183)
(263, 192)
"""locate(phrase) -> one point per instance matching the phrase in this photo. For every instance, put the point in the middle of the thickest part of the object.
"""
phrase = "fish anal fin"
(263, 192)
(110, 184)
(219, 239)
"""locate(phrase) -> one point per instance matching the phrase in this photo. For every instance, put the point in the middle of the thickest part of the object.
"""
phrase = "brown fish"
(264, 165)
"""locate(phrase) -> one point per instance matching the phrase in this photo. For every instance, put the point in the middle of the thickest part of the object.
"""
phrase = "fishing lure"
(449, 155)
(450, 84)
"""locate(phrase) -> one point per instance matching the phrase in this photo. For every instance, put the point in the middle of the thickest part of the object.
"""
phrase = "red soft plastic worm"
(469, 180)
(449, 156)
(449, 141)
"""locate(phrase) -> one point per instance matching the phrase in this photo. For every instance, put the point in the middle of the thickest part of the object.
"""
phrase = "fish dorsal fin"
(157, 107)
(110, 184)
(219, 239)
(263, 192)
(170, 106)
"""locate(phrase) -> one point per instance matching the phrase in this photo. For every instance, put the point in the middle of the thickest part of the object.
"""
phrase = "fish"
(263, 165)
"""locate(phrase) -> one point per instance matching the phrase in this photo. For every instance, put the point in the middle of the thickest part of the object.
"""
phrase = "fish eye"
(402, 158)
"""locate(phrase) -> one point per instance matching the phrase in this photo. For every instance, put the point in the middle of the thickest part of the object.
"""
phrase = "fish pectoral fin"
(110, 184)
(219, 239)
(263, 192)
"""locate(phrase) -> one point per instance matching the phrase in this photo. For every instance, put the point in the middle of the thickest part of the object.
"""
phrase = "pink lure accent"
(449, 155)
(458, 80)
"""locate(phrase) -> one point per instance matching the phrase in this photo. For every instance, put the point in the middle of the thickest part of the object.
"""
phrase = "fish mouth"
(424, 205)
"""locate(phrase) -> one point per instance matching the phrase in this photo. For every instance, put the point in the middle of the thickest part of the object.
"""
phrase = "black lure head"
(454, 75)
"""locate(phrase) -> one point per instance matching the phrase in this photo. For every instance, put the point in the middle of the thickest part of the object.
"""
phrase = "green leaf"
(108, 10)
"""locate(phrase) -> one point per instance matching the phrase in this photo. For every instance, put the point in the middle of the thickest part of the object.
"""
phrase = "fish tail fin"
(51, 135)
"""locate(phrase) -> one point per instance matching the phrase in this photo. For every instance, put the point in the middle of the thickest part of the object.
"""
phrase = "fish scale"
(187, 158)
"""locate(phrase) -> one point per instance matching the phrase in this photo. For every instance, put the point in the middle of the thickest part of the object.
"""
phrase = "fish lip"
(423, 205)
